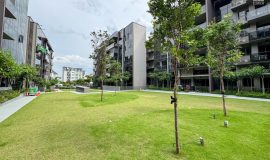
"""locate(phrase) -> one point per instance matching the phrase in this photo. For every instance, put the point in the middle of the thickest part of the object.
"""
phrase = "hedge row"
(7, 95)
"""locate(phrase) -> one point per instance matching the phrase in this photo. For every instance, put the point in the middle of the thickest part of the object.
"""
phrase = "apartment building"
(128, 48)
(72, 74)
(13, 28)
(255, 41)
(39, 50)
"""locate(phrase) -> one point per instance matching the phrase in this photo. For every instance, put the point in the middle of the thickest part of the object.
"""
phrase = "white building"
(72, 74)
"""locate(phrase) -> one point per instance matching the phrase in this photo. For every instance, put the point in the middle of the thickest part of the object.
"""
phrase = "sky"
(68, 23)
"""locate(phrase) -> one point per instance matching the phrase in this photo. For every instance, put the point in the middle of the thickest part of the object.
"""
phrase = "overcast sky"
(68, 23)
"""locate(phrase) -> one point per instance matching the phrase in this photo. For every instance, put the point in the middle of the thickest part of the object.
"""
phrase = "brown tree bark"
(177, 146)
(223, 91)
(101, 97)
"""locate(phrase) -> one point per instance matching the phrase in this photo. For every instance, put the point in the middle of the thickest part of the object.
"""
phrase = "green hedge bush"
(8, 95)
(253, 94)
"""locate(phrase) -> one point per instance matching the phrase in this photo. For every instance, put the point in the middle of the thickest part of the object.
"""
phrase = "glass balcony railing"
(259, 34)
(259, 12)
(260, 57)
(237, 3)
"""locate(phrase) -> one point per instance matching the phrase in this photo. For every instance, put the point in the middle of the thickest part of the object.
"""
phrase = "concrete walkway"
(12, 106)
(211, 95)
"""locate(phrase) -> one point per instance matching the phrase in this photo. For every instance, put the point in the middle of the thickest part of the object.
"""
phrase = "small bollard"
(214, 116)
(201, 141)
(226, 124)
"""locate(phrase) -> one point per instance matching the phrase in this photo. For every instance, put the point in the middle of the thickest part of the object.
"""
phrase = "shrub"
(253, 94)
(7, 95)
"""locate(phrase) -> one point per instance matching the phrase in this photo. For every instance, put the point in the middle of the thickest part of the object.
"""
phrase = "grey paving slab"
(9, 108)
(212, 95)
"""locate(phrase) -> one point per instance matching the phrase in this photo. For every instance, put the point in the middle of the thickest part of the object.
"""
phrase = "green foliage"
(27, 73)
(99, 42)
(8, 66)
(39, 81)
(253, 94)
(126, 76)
(115, 71)
(173, 22)
(7, 95)
(223, 45)
(252, 72)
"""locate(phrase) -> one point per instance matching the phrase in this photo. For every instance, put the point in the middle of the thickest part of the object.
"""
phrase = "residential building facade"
(255, 42)
(128, 48)
(72, 74)
(13, 28)
(39, 50)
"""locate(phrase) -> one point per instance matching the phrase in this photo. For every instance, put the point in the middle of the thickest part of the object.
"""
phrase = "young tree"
(27, 73)
(115, 70)
(125, 77)
(253, 72)
(100, 40)
(223, 49)
(162, 76)
(154, 75)
(173, 21)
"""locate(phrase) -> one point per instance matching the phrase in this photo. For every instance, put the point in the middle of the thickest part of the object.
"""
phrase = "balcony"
(9, 33)
(259, 35)
(150, 58)
(259, 13)
(111, 46)
(260, 57)
(10, 9)
(244, 59)
(237, 4)
(244, 37)
(150, 66)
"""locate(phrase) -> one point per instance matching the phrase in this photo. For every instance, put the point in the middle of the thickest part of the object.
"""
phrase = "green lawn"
(135, 125)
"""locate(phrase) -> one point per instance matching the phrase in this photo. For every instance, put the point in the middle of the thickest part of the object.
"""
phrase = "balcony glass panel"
(236, 3)
(262, 56)
(262, 11)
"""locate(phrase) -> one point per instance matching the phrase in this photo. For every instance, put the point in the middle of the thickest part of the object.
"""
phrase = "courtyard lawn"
(135, 125)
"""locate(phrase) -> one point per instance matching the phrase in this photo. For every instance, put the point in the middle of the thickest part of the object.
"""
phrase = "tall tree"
(223, 49)
(173, 21)
(100, 40)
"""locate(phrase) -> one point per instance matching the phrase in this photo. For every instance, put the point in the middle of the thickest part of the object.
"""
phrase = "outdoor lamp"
(201, 141)
(226, 124)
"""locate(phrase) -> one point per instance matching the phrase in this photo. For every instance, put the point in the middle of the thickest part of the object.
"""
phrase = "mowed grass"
(135, 125)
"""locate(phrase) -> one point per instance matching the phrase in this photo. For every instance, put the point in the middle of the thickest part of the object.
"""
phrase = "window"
(20, 39)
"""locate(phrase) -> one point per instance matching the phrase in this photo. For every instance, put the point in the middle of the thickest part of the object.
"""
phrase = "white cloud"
(68, 24)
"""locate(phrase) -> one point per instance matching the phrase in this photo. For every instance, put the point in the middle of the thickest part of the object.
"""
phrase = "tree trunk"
(115, 88)
(223, 93)
(176, 110)
(101, 97)
(251, 86)
(263, 88)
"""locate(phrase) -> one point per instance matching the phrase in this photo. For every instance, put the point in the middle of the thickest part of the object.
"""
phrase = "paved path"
(12, 106)
(211, 95)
